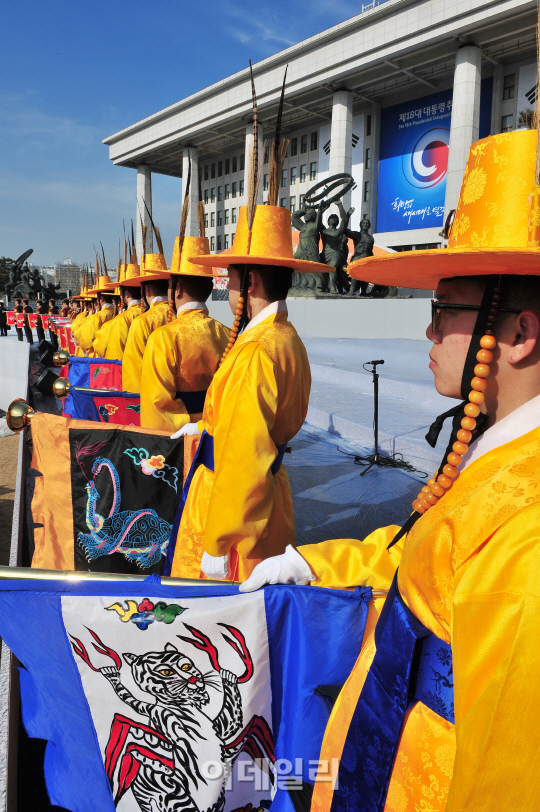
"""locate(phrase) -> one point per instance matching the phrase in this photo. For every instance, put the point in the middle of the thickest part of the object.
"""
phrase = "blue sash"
(193, 401)
(411, 665)
(204, 456)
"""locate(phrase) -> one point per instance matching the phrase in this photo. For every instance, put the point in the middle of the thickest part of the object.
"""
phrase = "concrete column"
(191, 155)
(465, 119)
(144, 195)
(341, 137)
(376, 143)
(249, 148)
(496, 99)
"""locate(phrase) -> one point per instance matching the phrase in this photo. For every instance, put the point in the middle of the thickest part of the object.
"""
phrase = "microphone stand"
(376, 458)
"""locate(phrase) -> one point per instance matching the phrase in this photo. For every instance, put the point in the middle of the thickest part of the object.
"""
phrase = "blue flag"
(166, 698)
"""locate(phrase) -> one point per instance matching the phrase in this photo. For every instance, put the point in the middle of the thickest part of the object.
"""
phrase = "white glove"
(186, 431)
(215, 566)
(289, 568)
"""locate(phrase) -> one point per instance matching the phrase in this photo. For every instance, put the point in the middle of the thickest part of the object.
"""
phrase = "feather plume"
(143, 233)
(133, 246)
(185, 207)
(279, 151)
(200, 217)
(104, 261)
(253, 158)
(125, 251)
(155, 230)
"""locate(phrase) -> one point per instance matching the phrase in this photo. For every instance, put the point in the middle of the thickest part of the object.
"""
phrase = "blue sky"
(74, 71)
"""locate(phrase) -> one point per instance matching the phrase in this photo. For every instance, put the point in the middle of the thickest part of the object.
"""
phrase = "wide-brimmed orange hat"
(268, 243)
(104, 284)
(496, 228)
(153, 267)
(185, 262)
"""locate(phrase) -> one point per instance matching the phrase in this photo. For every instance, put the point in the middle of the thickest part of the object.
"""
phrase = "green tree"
(526, 119)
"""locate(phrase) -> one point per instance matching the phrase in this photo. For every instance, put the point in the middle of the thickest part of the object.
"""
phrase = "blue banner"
(413, 163)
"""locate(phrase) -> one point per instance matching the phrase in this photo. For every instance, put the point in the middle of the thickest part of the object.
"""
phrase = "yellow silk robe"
(182, 356)
(139, 332)
(103, 335)
(89, 329)
(119, 332)
(75, 326)
(257, 401)
(469, 571)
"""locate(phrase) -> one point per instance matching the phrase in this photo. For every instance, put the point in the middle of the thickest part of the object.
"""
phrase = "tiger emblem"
(162, 760)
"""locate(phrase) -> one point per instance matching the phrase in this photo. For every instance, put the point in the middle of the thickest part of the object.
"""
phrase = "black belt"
(193, 401)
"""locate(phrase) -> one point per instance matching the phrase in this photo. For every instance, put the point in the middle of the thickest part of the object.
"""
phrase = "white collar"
(274, 307)
(519, 422)
(106, 305)
(133, 303)
(191, 306)
(157, 299)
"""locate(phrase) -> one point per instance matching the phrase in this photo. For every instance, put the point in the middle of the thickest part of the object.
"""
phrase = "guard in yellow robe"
(130, 295)
(182, 357)
(89, 328)
(442, 709)
(154, 294)
(241, 511)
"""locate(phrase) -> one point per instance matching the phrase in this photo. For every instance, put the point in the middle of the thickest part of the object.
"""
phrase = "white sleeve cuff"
(215, 566)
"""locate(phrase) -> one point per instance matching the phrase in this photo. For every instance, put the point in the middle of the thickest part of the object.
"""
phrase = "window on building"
(227, 191)
(232, 238)
(242, 162)
(228, 166)
(220, 243)
(213, 194)
(314, 140)
(368, 125)
(234, 189)
(509, 87)
(294, 171)
(302, 198)
(507, 123)
(206, 219)
(206, 172)
(220, 193)
(220, 169)
(212, 244)
(235, 164)
(283, 202)
(266, 153)
(212, 219)
(226, 217)
(233, 215)
(265, 183)
(213, 171)
(283, 178)
(220, 218)
(294, 147)
(303, 168)
(366, 191)
(226, 241)
(303, 144)
(368, 158)
(206, 195)
(241, 188)
(292, 203)
(313, 170)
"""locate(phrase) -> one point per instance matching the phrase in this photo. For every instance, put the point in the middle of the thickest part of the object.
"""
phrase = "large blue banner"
(413, 163)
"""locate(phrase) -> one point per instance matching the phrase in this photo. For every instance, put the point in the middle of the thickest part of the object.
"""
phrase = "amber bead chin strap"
(435, 488)
(237, 316)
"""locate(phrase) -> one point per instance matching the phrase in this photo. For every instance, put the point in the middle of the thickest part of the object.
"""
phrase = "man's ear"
(526, 335)
(252, 281)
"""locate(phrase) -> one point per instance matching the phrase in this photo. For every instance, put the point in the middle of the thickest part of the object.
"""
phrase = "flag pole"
(31, 574)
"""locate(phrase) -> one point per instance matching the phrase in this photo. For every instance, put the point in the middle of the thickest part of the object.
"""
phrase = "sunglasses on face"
(437, 308)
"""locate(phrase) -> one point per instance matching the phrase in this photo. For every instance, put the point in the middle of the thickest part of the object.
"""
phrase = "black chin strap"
(458, 412)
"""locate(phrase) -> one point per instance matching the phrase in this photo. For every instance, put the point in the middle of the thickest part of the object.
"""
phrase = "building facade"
(395, 96)
(67, 274)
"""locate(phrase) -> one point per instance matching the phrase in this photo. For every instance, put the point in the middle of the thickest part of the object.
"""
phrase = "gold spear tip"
(61, 358)
(18, 414)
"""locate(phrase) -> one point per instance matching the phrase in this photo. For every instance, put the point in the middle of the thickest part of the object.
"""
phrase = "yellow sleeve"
(133, 355)
(341, 563)
(159, 409)
(496, 654)
(243, 491)
(87, 333)
(102, 338)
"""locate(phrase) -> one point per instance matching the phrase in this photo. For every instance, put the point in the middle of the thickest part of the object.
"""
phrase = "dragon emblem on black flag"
(161, 760)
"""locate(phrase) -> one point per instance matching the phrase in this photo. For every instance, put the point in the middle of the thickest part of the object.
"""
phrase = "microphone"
(374, 362)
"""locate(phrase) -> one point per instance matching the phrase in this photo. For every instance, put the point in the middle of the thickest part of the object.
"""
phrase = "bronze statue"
(333, 248)
(363, 247)
(308, 245)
